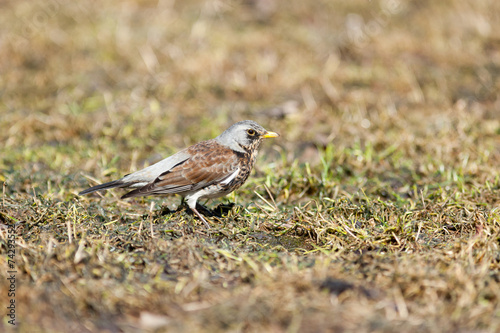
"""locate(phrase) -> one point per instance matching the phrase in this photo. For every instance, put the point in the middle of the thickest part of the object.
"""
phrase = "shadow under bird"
(206, 170)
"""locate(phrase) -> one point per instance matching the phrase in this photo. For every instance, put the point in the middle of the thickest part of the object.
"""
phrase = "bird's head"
(245, 136)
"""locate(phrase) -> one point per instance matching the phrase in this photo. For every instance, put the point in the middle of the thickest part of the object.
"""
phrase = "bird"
(206, 170)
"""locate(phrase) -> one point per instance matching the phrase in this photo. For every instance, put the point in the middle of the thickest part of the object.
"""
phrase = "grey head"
(244, 136)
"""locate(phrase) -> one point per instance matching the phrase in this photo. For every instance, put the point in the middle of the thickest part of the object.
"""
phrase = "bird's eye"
(251, 132)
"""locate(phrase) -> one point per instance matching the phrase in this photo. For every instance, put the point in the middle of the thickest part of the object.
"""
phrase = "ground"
(376, 210)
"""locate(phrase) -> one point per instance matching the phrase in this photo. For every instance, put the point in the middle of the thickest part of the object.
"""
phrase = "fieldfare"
(208, 169)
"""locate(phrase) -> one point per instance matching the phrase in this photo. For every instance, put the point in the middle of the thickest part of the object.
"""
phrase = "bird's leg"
(204, 209)
(201, 217)
(191, 201)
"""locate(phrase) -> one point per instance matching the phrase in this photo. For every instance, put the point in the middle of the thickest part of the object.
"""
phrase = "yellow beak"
(270, 135)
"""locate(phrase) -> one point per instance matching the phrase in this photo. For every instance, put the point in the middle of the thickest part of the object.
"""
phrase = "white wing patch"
(231, 177)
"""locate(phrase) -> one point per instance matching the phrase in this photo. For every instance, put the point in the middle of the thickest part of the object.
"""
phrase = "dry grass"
(378, 210)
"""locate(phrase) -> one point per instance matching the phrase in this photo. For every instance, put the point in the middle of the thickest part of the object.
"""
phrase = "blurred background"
(105, 86)
(384, 182)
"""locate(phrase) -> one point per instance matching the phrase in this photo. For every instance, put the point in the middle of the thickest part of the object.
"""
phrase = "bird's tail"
(105, 186)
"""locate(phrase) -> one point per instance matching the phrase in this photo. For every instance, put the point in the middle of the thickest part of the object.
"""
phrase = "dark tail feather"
(105, 186)
(134, 193)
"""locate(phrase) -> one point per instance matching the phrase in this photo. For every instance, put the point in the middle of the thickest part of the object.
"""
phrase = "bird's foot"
(204, 210)
(201, 218)
(218, 212)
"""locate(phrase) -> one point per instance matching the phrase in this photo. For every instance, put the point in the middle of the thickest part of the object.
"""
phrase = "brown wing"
(209, 163)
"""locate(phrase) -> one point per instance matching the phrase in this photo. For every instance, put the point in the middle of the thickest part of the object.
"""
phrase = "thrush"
(206, 170)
